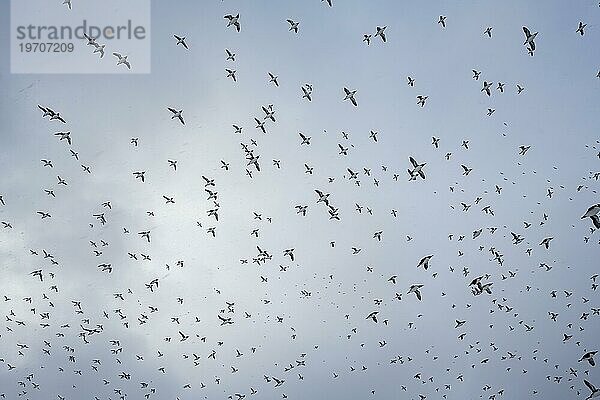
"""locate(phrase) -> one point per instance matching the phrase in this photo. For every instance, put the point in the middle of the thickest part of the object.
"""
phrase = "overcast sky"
(414, 344)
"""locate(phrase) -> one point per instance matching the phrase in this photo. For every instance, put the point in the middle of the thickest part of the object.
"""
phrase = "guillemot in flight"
(181, 41)
(233, 20)
(417, 169)
(176, 114)
(529, 38)
(350, 96)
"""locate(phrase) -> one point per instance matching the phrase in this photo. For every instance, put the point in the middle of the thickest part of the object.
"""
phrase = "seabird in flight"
(529, 38)
(181, 41)
(122, 60)
(177, 114)
(350, 96)
(233, 20)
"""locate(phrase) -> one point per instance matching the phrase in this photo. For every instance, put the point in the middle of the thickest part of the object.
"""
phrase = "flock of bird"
(226, 344)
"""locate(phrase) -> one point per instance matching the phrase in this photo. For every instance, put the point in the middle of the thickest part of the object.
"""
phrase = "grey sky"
(556, 114)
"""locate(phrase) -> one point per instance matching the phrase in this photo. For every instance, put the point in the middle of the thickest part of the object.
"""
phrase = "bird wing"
(596, 221)
(589, 385)
(527, 33)
(413, 162)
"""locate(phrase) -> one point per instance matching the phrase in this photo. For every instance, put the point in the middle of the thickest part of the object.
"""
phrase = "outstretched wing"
(589, 385)
(527, 33)
(596, 221)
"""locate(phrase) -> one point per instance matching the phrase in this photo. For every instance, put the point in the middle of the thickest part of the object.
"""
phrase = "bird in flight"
(64, 136)
(416, 289)
(293, 25)
(381, 33)
(230, 55)
(139, 175)
(349, 95)
(589, 357)
(486, 87)
(181, 41)
(177, 114)
(417, 169)
(442, 21)
(122, 60)
(424, 262)
(307, 90)
(233, 20)
(100, 49)
(529, 39)
(231, 74)
(592, 213)
(305, 139)
(273, 79)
